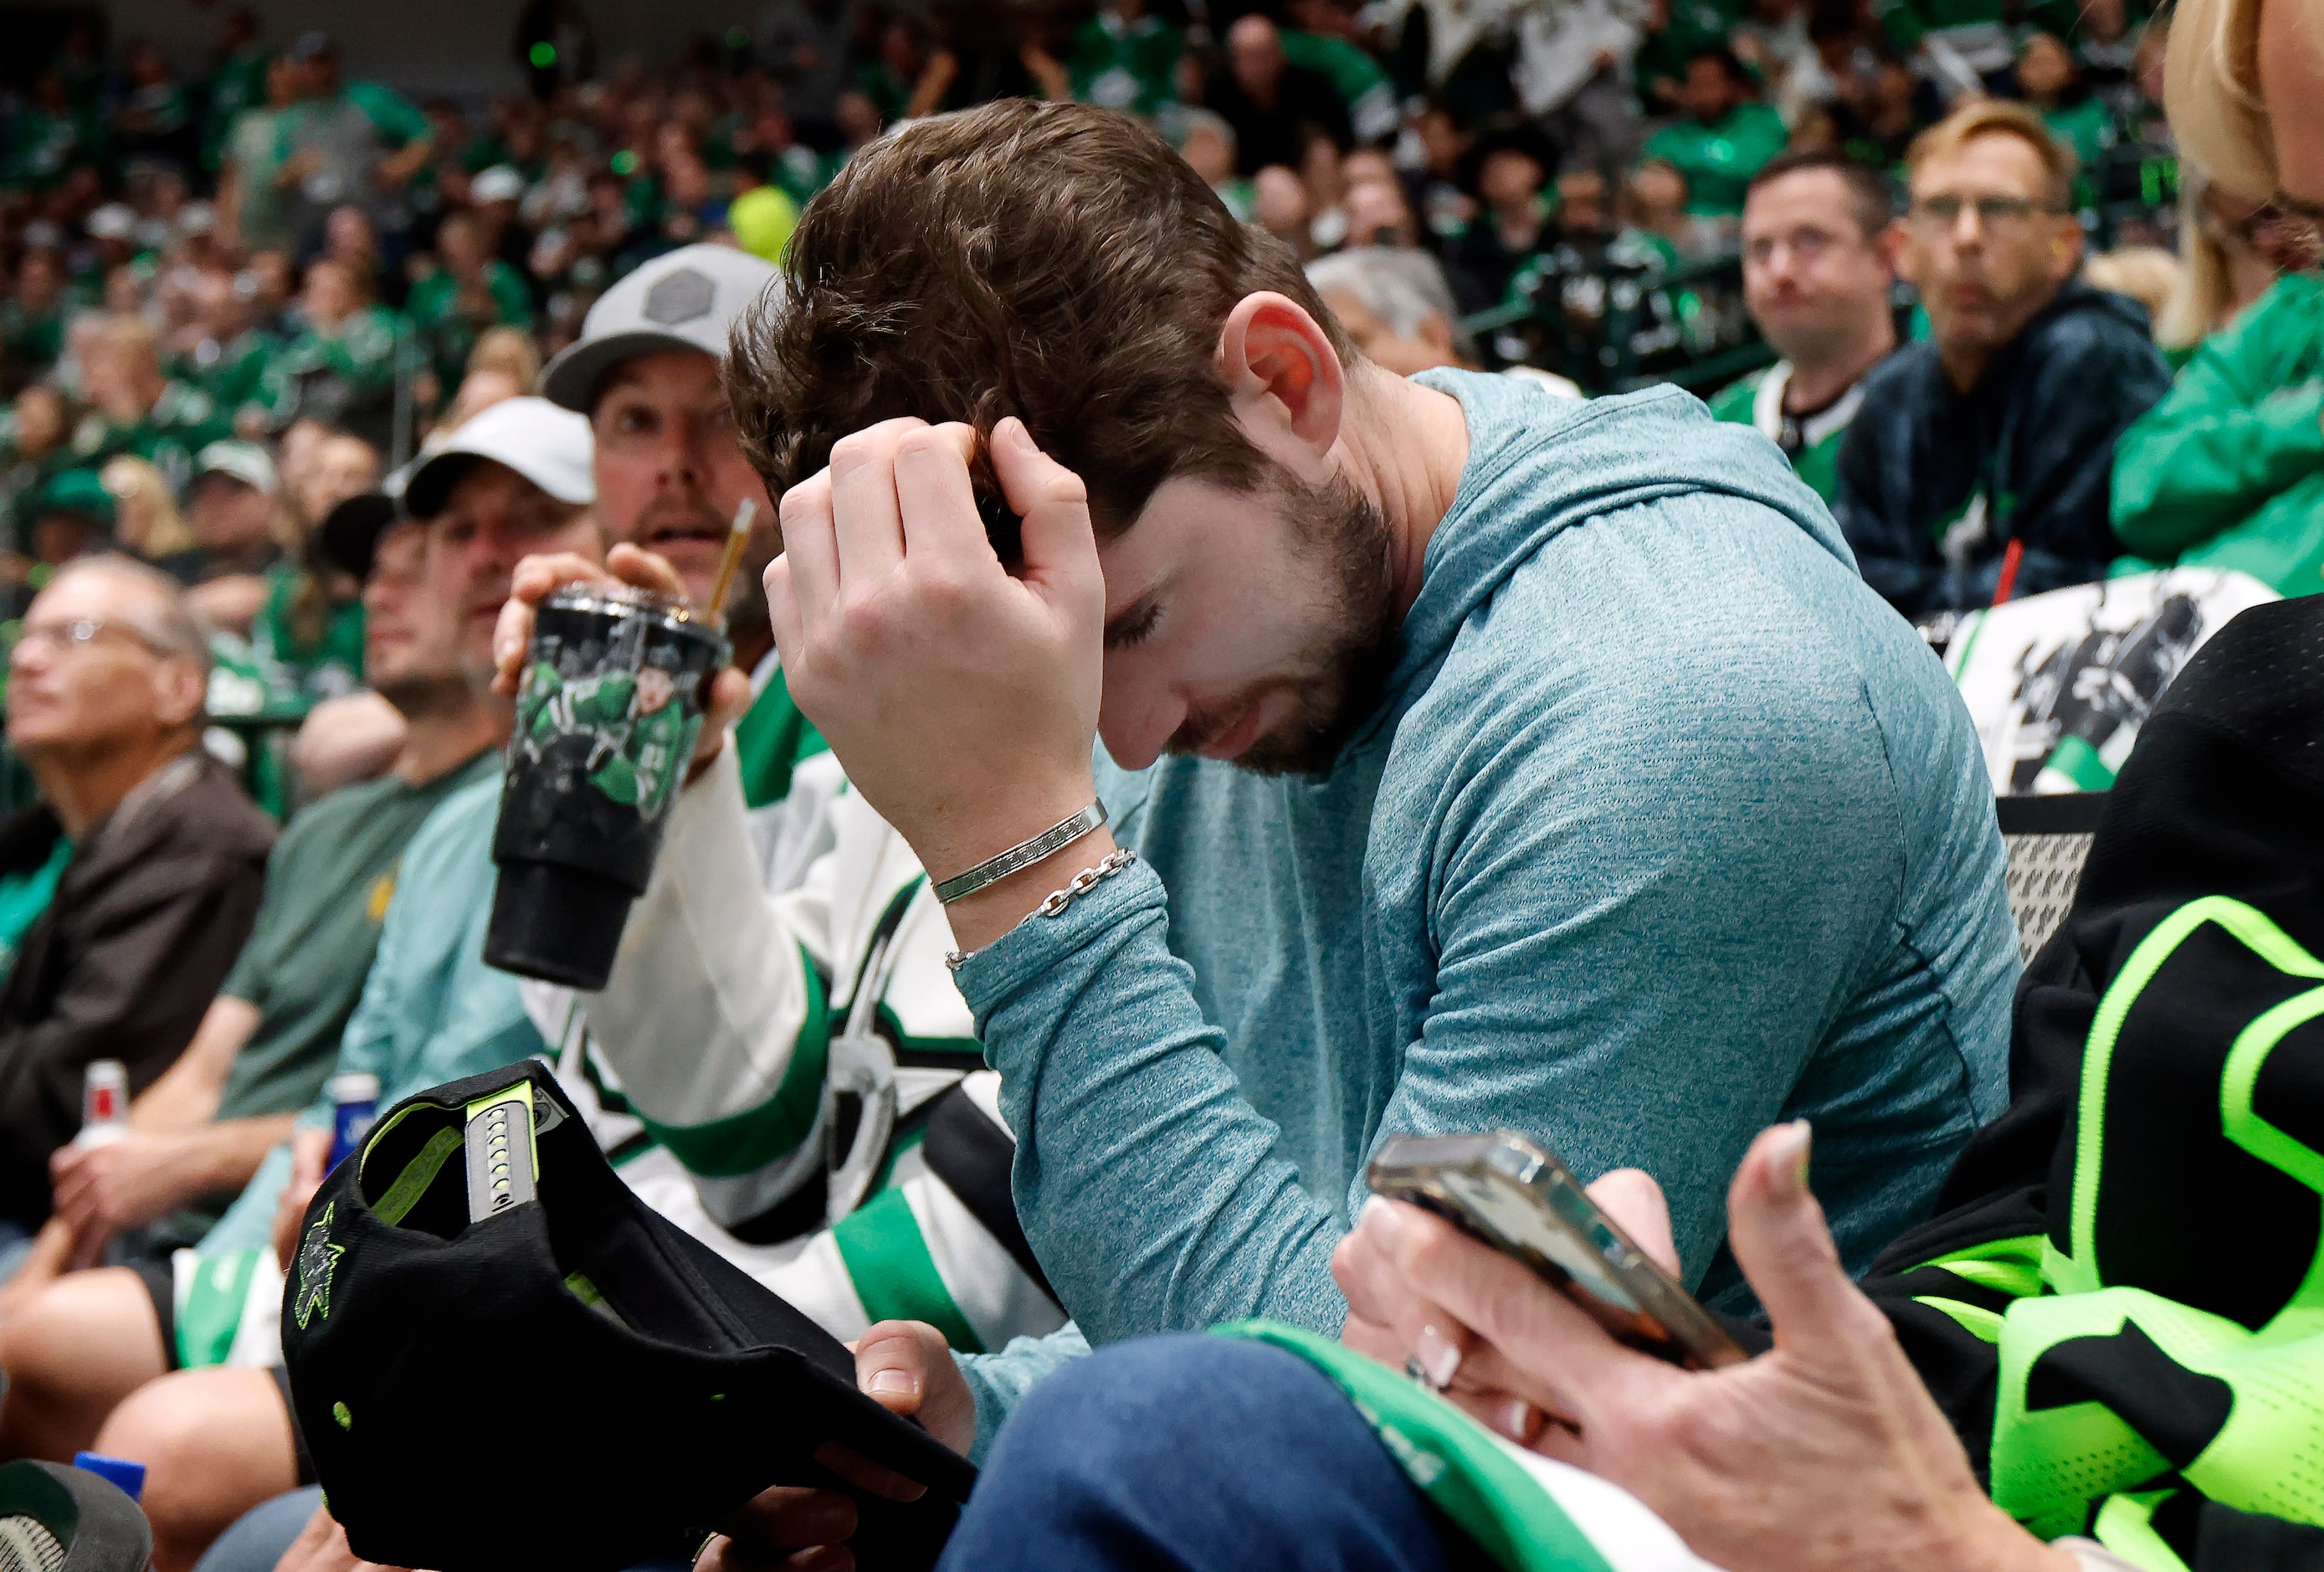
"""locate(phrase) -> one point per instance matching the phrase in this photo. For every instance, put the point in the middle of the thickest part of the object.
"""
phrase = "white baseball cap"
(243, 461)
(547, 445)
(687, 299)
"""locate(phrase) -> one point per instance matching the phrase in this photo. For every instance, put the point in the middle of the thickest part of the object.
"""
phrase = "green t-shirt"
(182, 421)
(255, 147)
(1128, 66)
(400, 121)
(435, 312)
(328, 887)
(1718, 161)
(326, 668)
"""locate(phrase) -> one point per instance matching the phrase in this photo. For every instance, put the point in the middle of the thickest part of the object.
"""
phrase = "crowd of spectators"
(312, 392)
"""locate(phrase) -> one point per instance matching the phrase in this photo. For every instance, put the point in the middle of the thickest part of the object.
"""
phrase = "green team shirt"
(182, 421)
(1811, 442)
(1131, 65)
(328, 887)
(1691, 25)
(1908, 21)
(324, 667)
(1720, 160)
(2227, 471)
(361, 354)
(434, 310)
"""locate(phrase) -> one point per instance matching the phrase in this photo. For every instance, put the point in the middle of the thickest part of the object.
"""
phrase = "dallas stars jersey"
(1811, 442)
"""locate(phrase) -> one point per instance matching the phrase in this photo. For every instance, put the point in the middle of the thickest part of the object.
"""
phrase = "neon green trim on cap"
(417, 1175)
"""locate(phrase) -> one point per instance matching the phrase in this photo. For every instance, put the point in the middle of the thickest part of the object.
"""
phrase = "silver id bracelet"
(1023, 856)
(1056, 903)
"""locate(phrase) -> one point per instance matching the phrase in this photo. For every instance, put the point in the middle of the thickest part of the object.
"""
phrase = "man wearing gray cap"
(756, 1009)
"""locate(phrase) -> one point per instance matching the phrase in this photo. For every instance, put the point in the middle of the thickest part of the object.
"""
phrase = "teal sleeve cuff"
(1000, 1381)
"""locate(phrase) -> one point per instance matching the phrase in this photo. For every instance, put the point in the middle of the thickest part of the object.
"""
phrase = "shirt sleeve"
(2223, 440)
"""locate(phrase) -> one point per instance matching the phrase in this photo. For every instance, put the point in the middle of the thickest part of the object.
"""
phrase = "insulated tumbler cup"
(605, 726)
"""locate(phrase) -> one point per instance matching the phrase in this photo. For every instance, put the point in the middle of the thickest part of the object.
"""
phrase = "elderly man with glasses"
(1977, 468)
(127, 894)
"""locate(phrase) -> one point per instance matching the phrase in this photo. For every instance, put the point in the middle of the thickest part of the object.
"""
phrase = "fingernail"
(1373, 1207)
(894, 1382)
(1787, 1160)
(1514, 1419)
(1439, 1357)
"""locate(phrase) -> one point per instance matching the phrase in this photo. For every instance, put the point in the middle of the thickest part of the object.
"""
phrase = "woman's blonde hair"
(150, 523)
(2210, 89)
(508, 349)
(2146, 273)
(2206, 288)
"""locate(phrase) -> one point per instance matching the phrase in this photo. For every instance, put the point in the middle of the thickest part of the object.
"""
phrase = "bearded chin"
(1346, 538)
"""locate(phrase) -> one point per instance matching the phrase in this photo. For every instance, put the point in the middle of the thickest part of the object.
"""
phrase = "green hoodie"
(2227, 471)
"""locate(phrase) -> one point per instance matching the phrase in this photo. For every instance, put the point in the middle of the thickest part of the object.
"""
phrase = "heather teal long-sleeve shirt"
(1667, 828)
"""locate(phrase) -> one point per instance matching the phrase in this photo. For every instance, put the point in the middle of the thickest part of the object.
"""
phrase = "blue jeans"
(1206, 1454)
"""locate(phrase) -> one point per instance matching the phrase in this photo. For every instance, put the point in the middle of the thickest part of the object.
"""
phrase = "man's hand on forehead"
(962, 698)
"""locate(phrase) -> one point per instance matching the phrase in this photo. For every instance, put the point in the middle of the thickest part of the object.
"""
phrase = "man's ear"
(1889, 244)
(1285, 379)
(179, 693)
(2065, 249)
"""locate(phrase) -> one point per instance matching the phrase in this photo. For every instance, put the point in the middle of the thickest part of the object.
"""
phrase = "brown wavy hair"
(1054, 261)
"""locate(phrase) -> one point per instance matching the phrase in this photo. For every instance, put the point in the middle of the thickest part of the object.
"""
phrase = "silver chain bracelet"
(1056, 901)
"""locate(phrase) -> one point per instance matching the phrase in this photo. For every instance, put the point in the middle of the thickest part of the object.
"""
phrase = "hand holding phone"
(1510, 1194)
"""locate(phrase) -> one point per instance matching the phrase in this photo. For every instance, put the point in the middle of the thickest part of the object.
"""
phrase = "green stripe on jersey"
(212, 1313)
(752, 1140)
(894, 1275)
(771, 740)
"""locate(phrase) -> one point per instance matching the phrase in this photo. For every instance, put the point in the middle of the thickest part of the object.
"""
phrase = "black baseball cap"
(350, 532)
(500, 1356)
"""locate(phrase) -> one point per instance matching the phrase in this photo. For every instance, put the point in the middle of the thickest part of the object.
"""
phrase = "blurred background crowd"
(237, 289)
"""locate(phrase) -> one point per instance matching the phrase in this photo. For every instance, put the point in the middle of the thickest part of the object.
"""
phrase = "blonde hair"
(2205, 289)
(1997, 118)
(509, 349)
(2210, 89)
(150, 523)
(2146, 273)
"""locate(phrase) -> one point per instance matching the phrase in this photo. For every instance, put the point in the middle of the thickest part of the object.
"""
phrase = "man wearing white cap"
(233, 505)
(215, 1430)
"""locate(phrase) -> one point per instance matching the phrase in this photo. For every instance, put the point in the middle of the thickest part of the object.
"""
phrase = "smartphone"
(1514, 1196)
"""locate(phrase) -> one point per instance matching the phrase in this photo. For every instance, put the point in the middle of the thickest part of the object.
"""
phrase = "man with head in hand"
(1492, 742)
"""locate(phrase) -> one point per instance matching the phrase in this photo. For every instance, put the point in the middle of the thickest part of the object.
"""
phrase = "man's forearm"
(222, 1157)
(1149, 1189)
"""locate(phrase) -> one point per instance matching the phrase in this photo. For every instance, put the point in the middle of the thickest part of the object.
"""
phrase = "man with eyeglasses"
(1819, 262)
(1978, 467)
(155, 859)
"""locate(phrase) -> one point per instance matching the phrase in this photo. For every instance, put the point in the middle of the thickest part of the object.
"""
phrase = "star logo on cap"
(318, 1259)
(683, 296)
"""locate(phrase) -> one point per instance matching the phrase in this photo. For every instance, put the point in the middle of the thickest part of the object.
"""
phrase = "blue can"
(354, 1103)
